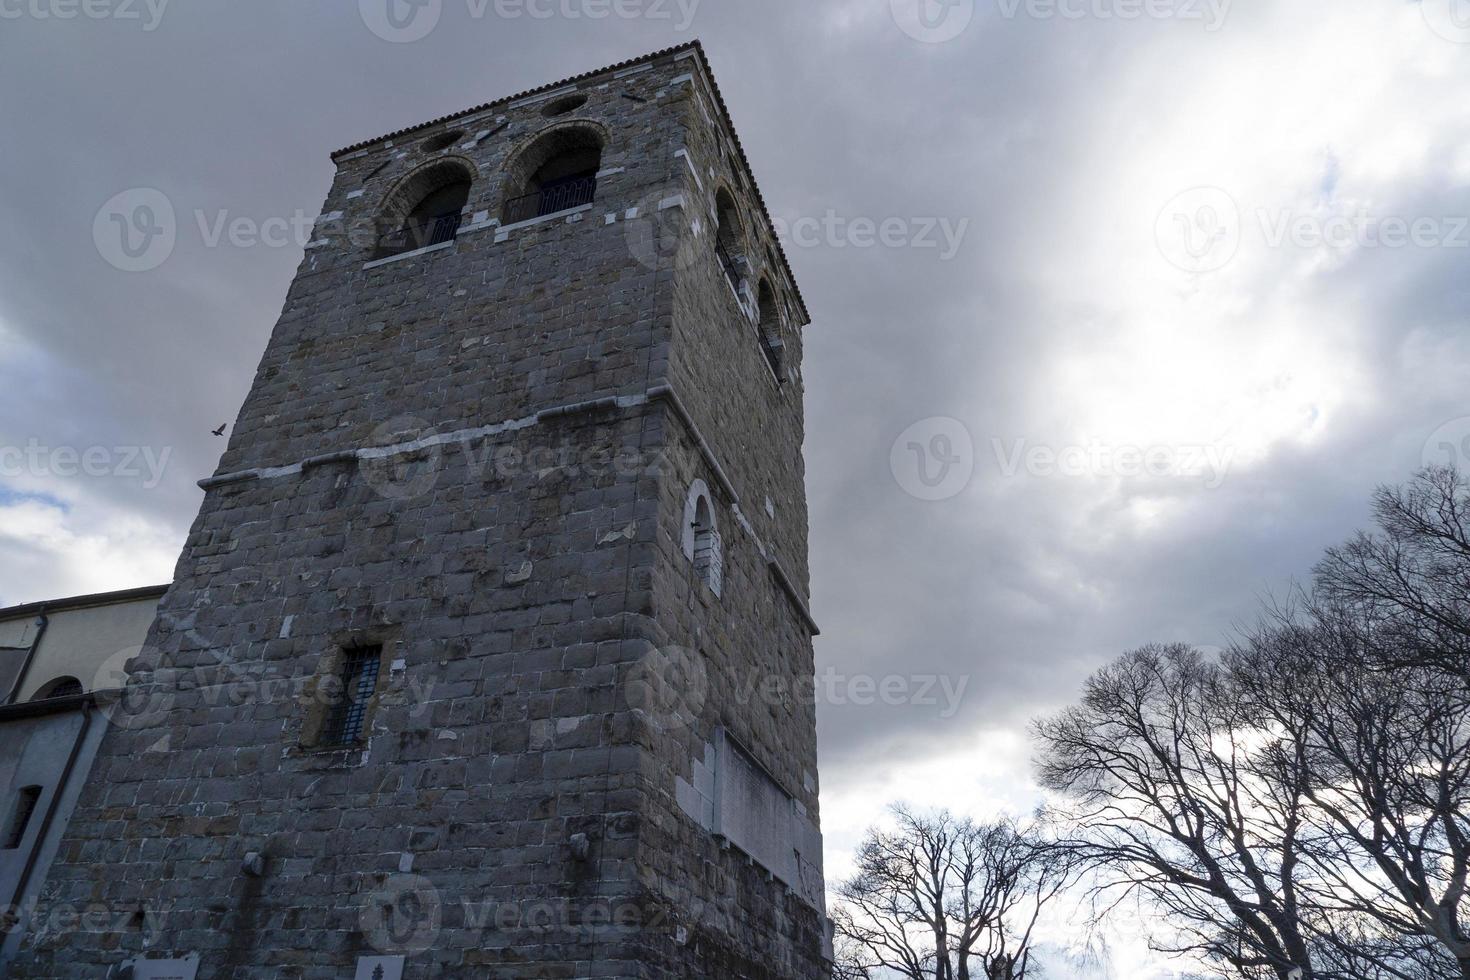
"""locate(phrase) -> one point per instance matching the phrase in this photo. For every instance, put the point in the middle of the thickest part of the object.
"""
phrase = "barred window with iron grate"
(359, 676)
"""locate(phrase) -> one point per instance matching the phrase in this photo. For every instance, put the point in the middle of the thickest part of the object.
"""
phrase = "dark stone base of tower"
(488, 654)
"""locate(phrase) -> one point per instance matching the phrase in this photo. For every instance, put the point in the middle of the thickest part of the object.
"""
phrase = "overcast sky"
(1227, 241)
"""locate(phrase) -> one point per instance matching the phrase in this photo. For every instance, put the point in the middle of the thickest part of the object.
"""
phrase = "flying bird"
(221, 430)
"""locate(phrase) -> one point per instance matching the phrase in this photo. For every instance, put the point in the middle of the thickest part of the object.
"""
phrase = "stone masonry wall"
(748, 650)
(514, 810)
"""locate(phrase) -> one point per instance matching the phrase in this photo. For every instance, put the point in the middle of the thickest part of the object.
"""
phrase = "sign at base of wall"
(143, 968)
(380, 968)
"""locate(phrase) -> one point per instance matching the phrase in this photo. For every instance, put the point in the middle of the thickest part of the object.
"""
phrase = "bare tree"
(1412, 578)
(1300, 808)
(943, 898)
(1159, 765)
(1387, 759)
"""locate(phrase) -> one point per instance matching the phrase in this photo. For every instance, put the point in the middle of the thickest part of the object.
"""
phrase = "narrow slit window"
(359, 678)
(20, 817)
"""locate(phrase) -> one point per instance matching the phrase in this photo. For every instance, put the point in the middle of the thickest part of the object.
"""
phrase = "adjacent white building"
(56, 658)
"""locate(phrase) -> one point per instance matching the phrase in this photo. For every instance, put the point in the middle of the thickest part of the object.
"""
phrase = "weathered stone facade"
(583, 758)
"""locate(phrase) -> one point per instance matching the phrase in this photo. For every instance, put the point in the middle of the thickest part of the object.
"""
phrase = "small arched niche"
(701, 538)
(425, 208)
(557, 172)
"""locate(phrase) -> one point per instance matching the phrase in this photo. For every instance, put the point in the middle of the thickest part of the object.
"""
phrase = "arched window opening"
(425, 209)
(772, 345)
(563, 106)
(61, 687)
(729, 238)
(434, 221)
(443, 141)
(557, 173)
(701, 538)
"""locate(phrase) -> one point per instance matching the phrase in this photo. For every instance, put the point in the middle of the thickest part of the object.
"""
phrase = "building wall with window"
(48, 752)
(50, 731)
(12, 658)
(80, 638)
(465, 659)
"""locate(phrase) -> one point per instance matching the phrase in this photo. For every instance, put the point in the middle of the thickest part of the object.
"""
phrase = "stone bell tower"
(489, 654)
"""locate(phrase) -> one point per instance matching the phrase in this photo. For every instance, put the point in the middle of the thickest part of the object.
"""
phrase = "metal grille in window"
(360, 667)
(420, 234)
(21, 818)
(553, 198)
(65, 687)
(728, 263)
